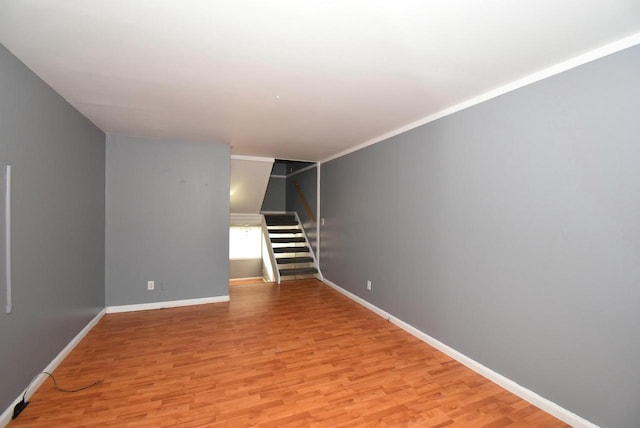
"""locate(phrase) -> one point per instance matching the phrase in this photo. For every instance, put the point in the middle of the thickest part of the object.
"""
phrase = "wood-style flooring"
(295, 355)
(246, 281)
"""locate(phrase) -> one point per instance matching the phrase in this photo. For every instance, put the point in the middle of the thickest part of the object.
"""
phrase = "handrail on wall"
(304, 202)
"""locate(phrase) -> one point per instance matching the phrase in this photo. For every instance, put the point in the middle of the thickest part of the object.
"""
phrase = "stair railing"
(304, 202)
(306, 239)
(272, 256)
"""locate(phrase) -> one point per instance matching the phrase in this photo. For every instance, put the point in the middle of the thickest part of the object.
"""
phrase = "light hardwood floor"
(291, 356)
(246, 281)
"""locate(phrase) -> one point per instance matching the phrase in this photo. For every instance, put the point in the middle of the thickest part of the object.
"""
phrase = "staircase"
(293, 255)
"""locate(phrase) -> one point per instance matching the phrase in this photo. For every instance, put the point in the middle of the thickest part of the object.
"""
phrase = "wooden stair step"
(287, 240)
(301, 249)
(298, 271)
(281, 220)
(273, 231)
(290, 260)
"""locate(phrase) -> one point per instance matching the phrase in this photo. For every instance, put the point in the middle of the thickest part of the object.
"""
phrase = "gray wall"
(167, 220)
(511, 232)
(308, 183)
(245, 268)
(275, 198)
(57, 157)
(279, 167)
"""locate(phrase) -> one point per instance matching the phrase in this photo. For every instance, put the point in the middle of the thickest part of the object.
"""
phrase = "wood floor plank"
(294, 355)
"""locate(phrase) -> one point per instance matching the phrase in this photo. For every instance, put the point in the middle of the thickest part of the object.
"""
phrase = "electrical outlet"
(151, 285)
(369, 285)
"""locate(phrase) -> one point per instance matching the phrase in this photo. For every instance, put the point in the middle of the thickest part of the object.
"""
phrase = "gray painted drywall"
(294, 166)
(167, 220)
(275, 198)
(245, 268)
(279, 167)
(511, 232)
(308, 184)
(57, 158)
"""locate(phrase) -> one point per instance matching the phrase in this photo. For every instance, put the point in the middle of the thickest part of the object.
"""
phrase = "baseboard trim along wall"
(511, 386)
(167, 304)
(5, 418)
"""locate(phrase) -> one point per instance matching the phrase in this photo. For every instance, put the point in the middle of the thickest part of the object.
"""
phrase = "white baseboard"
(359, 300)
(5, 418)
(168, 304)
(511, 386)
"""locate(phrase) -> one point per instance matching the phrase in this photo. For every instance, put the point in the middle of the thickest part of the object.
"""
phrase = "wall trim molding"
(526, 394)
(319, 218)
(306, 168)
(252, 158)
(5, 418)
(245, 219)
(558, 68)
(166, 304)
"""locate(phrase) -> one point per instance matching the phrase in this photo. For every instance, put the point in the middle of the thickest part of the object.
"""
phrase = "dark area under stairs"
(289, 246)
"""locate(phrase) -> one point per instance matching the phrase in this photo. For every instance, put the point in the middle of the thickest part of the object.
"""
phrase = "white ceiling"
(294, 79)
